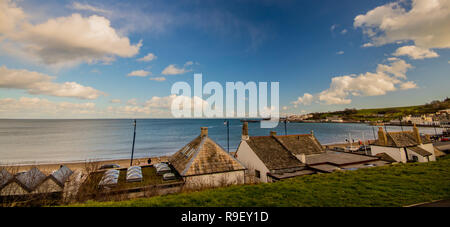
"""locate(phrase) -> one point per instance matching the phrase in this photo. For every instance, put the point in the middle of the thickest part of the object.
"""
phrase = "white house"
(272, 158)
(408, 146)
(202, 162)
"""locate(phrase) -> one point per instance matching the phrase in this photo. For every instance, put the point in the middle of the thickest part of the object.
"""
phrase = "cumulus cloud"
(174, 70)
(415, 52)
(148, 57)
(139, 73)
(387, 78)
(38, 83)
(25, 107)
(62, 41)
(116, 101)
(425, 22)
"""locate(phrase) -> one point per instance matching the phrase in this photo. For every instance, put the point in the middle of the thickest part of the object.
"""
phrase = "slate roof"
(272, 153)
(301, 144)
(203, 156)
(385, 157)
(403, 139)
(420, 151)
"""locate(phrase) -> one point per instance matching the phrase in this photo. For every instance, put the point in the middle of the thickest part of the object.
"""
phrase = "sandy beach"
(82, 166)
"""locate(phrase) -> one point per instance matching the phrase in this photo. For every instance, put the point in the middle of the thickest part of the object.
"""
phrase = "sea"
(57, 141)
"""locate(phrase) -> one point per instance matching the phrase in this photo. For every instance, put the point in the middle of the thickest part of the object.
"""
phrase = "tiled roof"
(403, 139)
(301, 144)
(203, 156)
(272, 153)
(385, 157)
(420, 151)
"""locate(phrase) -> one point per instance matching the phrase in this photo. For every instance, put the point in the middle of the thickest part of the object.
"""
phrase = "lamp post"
(227, 123)
(134, 139)
(285, 126)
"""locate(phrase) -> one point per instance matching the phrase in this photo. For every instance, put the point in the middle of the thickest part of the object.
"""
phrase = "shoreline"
(81, 165)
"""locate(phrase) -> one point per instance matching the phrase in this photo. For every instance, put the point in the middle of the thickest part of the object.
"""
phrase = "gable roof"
(272, 153)
(203, 156)
(403, 139)
(385, 157)
(420, 151)
(301, 144)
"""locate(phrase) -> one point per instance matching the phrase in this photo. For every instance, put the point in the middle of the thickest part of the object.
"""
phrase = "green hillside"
(386, 114)
(395, 185)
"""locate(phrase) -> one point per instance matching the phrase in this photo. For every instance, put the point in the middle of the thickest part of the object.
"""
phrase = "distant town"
(436, 113)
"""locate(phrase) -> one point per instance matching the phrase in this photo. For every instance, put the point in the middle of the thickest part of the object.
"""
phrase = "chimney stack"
(203, 131)
(273, 133)
(417, 134)
(245, 131)
(382, 137)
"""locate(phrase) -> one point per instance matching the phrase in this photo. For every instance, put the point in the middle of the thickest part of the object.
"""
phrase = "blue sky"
(301, 44)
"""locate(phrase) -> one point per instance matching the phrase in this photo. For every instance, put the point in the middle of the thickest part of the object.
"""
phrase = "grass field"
(395, 185)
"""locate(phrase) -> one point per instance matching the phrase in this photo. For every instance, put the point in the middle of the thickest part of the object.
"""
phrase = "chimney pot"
(203, 131)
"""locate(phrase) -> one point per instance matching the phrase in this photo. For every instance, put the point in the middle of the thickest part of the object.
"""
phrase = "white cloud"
(25, 107)
(408, 85)
(387, 78)
(148, 57)
(116, 101)
(340, 52)
(307, 99)
(87, 7)
(158, 78)
(139, 73)
(37, 83)
(62, 41)
(174, 70)
(344, 31)
(415, 52)
(425, 22)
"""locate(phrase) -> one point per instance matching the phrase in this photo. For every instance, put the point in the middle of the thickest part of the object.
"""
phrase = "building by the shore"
(272, 158)
(406, 146)
(202, 162)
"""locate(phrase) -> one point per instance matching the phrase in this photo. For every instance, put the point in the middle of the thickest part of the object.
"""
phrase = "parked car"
(110, 166)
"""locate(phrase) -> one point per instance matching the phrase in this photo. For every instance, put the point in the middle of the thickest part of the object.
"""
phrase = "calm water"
(45, 141)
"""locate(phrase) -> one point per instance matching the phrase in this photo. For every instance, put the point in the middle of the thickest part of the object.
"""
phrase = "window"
(257, 174)
(415, 158)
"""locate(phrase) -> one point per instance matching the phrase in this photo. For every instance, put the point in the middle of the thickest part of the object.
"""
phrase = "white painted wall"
(430, 148)
(216, 179)
(251, 161)
(396, 153)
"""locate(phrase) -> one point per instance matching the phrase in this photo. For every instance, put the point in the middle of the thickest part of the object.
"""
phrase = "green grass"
(395, 185)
